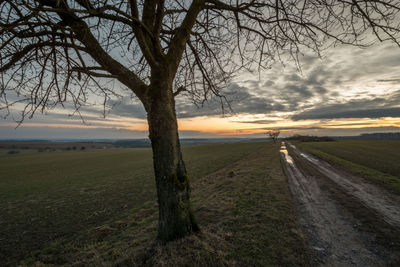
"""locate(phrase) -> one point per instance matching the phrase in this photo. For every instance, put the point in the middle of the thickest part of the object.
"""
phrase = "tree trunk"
(176, 218)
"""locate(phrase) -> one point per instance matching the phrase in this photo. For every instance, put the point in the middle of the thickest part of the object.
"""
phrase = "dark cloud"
(375, 107)
(195, 134)
(269, 83)
(341, 124)
(334, 94)
(389, 81)
(241, 99)
(307, 61)
(324, 80)
(320, 90)
(293, 89)
(317, 76)
(333, 113)
(258, 121)
(361, 108)
(299, 90)
(127, 108)
(294, 128)
(293, 77)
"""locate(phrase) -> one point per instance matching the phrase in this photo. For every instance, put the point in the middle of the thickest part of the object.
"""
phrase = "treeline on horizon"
(48, 146)
(44, 145)
(309, 138)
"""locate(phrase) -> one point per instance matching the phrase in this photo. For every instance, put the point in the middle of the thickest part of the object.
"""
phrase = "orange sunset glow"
(348, 91)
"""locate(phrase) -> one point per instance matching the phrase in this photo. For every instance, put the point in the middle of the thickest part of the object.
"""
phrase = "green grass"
(56, 195)
(377, 161)
(245, 210)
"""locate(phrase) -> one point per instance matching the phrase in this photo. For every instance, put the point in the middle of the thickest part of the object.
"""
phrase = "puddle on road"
(284, 151)
(310, 158)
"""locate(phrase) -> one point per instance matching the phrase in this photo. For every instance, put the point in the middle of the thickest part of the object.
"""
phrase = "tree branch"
(180, 38)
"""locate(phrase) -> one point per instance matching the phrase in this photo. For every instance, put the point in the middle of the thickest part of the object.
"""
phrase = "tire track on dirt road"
(349, 221)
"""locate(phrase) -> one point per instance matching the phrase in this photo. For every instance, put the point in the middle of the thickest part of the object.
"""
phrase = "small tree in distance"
(65, 51)
(273, 134)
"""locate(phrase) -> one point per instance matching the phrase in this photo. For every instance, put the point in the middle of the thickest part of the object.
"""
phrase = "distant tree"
(273, 134)
(56, 51)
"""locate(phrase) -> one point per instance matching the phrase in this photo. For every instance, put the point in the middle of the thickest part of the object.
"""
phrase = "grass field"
(91, 206)
(378, 161)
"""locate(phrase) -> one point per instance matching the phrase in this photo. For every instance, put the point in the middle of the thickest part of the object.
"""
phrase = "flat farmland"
(57, 195)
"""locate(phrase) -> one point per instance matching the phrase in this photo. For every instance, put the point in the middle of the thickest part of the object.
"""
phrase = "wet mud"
(349, 221)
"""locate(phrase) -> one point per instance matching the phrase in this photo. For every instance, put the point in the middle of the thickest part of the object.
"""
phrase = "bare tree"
(58, 51)
(273, 134)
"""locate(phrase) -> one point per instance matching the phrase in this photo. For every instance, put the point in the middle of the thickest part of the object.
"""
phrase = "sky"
(347, 91)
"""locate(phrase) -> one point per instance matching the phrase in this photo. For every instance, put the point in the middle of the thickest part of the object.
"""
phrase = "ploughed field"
(96, 207)
(377, 161)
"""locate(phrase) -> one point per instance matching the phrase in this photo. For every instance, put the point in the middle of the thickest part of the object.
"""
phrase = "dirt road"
(349, 221)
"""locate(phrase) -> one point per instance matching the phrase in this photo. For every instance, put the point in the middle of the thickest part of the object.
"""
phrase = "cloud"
(344, 75)
(127, 107)
(242, 100)
(378, 107)
(28, 132)
(300, 91)
(346, 83)
(294, 128)
(332, 112)
(389, 81)
(258, 121)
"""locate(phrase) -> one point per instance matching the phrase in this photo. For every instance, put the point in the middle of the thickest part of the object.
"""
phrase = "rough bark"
(176, 218)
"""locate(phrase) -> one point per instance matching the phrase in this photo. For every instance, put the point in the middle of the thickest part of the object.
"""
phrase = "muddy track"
(349, 221)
